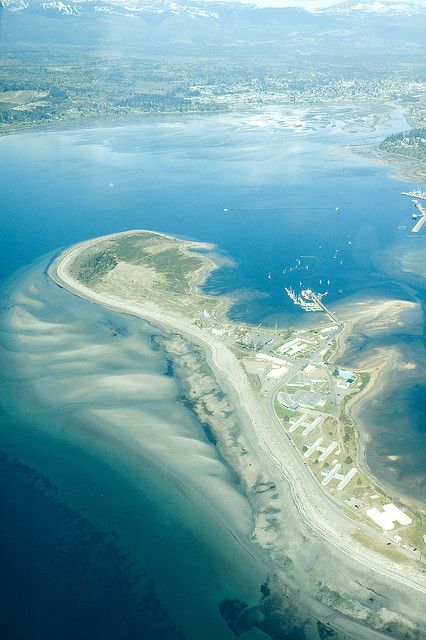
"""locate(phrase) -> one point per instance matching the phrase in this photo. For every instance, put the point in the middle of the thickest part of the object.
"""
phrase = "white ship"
(307, 299)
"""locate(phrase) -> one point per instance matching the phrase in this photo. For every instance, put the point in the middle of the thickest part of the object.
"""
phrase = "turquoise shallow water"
(289, 198)
(154, 507)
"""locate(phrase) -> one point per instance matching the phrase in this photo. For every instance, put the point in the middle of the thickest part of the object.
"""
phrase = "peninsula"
(281, 413)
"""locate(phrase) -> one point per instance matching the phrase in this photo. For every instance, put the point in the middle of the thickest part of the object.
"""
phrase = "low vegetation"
(411, 144)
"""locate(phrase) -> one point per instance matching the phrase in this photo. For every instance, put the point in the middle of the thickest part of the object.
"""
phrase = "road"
(319, 515)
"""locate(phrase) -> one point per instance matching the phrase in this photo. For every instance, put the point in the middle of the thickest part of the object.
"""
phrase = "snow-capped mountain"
(375, 8)
(67, 9)
(14, 5)
(155, 12)
(120, 7)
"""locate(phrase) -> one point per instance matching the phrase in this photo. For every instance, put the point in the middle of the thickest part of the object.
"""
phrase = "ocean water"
(298, 209)
(152, 505)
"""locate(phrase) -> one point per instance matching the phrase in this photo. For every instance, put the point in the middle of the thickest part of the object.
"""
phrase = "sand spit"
(298, 524)
(373, 317)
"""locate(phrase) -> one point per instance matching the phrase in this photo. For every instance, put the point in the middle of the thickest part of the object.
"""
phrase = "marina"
(416, 193)
(421, 219)
(310, 301)
(307, 299)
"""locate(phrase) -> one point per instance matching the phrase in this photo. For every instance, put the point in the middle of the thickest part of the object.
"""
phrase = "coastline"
(355, 410)
(108, 121)
(92, 462)
(286, 462)
(378, 367)
(403, 167)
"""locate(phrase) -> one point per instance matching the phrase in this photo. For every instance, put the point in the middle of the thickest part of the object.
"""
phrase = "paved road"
(319, 515)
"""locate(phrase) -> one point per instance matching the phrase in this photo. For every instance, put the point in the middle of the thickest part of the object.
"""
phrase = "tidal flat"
(83, 385)
(388, 333)
(76, 377)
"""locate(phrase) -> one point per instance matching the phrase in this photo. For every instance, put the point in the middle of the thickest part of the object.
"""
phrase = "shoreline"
(99, 123)
(379, 368)
(287, 463)
(375, 386)
(402, 167)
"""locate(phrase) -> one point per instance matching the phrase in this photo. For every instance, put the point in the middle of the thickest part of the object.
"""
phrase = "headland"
(282, 415)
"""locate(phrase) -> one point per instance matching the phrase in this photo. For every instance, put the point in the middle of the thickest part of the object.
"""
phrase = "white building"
(387, 518)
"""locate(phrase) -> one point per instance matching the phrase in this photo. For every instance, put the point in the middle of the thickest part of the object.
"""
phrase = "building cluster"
(308, 393)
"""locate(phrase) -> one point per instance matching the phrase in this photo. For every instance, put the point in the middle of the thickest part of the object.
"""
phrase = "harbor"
(416, 193)
(419, 218)
(310, 301)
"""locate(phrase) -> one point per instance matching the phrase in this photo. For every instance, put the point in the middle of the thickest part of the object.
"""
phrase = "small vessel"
(337, 209)
(269, 276)
(225, 210)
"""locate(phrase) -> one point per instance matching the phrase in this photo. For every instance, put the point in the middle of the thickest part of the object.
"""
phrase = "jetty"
(326, 310)
(422, 219)
(417, 193)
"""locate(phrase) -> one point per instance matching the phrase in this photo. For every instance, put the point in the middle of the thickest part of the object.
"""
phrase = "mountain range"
(156, 11)
(357, 30)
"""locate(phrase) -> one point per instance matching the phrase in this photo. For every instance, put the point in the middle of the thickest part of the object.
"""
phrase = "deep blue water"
(289, 197)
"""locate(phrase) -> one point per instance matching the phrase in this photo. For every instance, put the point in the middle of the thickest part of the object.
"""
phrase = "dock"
(420, 222)
(415, 194)
(326, 310)
(310, 301)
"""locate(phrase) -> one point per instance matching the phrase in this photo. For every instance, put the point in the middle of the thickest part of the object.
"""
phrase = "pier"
(420, 222)
(415, 194)
(326, 310)
(310, 301)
